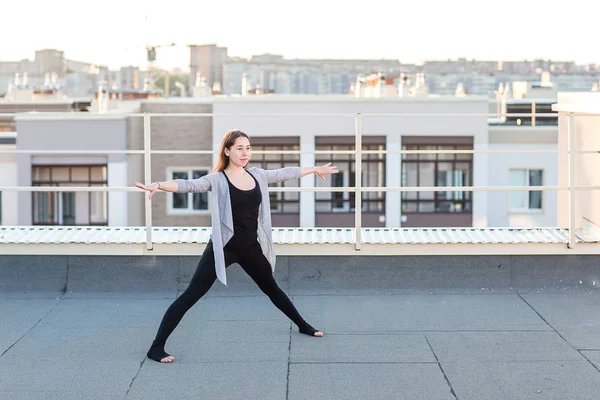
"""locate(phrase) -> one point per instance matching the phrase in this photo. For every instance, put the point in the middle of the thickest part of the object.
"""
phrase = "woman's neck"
(234, 170)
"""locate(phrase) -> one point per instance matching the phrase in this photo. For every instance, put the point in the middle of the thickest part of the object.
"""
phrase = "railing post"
(358, 181)
(533, 113)
(148, 179)
(571, 179)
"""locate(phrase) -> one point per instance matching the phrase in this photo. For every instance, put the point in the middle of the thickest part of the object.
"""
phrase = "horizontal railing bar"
(578, 113)
(210, 152)
(69, 189)
(135, 189)
(460, 151)
(371, 152)
(188, 152)
(431, 189)
(256, 152)
(9, 151)
(467, 189)
(59, 152)
(298, 228)
(552, 114)
(489, 115)
(311, 189)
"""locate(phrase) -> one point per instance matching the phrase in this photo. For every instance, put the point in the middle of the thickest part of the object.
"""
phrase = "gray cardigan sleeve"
(283, 174)
(201, 184)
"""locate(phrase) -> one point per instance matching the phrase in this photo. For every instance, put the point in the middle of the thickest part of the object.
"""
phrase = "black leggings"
(253, 262)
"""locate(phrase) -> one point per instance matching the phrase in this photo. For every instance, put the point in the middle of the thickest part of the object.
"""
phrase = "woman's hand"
(326, 170)
(152, 188)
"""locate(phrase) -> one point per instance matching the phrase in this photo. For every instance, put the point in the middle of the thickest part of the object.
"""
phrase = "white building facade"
(335, 130)
(321, 128)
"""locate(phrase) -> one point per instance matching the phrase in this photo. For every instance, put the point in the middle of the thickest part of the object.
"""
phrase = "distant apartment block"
(273, 74)
(208, 61)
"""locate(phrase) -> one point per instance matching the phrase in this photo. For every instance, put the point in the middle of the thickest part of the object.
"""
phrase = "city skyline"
(115, 35)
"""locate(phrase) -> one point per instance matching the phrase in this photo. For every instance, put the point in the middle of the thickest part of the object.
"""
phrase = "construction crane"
(151, 53)
(150, 59)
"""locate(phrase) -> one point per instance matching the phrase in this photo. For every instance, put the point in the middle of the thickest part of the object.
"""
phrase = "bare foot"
(310, 331)
(157, 353)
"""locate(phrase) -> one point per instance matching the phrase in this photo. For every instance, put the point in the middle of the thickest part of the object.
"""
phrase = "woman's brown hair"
(228, 141)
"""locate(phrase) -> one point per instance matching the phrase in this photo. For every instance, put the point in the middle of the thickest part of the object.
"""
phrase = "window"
(525, 200)
(0, 208)
(543, 110)
(281, 202)
(7, 126)
(70, 208)
(436, 170)
(187, 203)
(373, 174)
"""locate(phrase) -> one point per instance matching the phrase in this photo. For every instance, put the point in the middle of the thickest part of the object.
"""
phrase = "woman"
(241, 232)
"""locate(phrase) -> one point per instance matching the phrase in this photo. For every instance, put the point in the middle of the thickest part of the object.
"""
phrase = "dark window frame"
(372, 202)
(53, 215)
(281, 202)
(416, 206)
(189, 197)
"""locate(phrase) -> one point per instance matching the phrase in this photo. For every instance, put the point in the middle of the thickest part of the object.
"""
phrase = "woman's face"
(239, 153)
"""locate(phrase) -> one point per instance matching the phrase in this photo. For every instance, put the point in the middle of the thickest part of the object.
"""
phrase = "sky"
(114, 33)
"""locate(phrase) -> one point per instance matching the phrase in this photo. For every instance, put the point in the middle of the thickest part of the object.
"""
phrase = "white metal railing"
(534, 115)
(358, 131)
(148, 178)
(358, 152)
(571, 179)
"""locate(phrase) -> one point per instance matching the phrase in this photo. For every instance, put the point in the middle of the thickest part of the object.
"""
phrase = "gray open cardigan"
(222, 217)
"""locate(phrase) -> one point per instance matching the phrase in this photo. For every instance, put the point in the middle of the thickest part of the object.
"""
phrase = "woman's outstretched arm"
(178, 186)
(287, 173)
(320, 171)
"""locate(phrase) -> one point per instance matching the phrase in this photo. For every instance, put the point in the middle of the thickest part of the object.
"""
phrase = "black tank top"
(244, 207)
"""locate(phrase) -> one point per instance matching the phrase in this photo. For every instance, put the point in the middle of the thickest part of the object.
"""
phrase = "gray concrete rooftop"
(423, 343)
